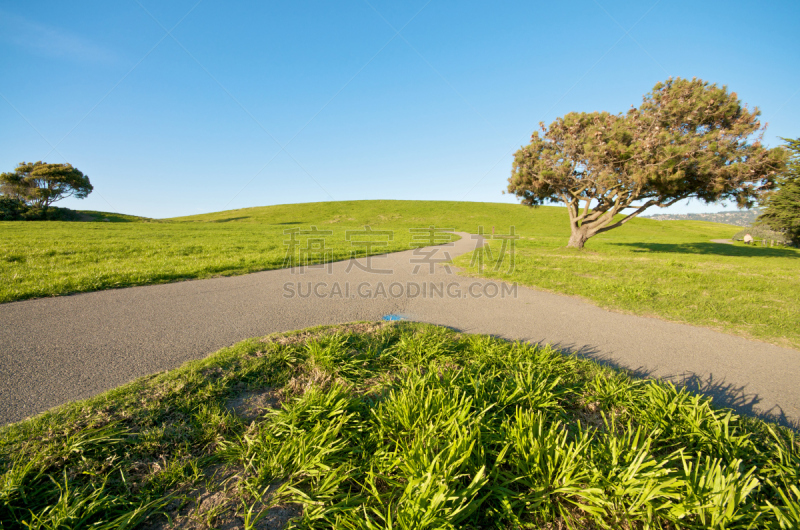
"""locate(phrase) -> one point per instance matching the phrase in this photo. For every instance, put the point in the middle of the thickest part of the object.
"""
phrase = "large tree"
(782, 206)
(40, 184)
(688, 139)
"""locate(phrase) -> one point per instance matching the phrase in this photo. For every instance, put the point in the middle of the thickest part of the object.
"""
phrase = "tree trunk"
(578, 238)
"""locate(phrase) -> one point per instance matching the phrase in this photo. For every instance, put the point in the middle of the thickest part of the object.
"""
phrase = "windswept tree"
(782, 206)
(688, 139)
(39, 184)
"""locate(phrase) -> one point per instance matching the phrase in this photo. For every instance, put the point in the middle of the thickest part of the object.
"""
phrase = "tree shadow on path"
(722, 393)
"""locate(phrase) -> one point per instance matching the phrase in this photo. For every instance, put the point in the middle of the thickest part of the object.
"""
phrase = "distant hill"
(745, 218)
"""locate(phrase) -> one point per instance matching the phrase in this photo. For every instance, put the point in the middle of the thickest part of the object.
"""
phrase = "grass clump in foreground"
(396, 426)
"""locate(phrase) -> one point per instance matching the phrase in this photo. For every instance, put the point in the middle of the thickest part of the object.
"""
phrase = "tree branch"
(626, 218)
(639, 210)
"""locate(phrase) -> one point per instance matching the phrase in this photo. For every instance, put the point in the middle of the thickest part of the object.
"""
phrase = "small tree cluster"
(16, 210)
(782, 206)
(688, 139)
(38, 184)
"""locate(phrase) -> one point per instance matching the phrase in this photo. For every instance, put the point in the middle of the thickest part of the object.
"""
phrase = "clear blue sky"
(285, 102)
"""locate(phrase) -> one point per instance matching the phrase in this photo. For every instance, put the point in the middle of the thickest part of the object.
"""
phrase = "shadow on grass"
(722, 393)
(733, 397)
(593, 354)
(92, 216)
(719, 249)
(228, 219)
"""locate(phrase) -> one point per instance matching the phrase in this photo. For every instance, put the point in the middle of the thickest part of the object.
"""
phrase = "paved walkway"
(55, 350)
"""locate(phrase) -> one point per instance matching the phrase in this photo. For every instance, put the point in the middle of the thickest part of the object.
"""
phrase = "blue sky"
(187, 107)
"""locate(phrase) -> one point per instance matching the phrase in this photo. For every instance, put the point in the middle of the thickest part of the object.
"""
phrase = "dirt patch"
(219, 504)
(591, 415)
(212, 373)
(300, 384)
(276, 517)
(297, 338)
(207, 505)
(252, 404)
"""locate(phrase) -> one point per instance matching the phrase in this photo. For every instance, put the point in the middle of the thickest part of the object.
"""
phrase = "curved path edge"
(56, 350)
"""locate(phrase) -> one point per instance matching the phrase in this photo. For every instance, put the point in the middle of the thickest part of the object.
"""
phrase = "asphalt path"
(56, 350)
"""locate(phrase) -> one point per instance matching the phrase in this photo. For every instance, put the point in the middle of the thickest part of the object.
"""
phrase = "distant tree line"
(740, 218)
(28, 192)
(782, 206)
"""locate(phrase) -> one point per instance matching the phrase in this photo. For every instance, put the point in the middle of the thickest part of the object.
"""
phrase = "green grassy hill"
(667, 269)
(54, 258)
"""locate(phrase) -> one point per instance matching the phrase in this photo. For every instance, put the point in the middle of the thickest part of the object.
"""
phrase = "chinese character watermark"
(483, 251)
(309, 253)
(368, 239)
(422, 240)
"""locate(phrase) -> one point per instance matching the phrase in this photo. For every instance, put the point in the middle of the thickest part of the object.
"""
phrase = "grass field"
(668, 269)
(396, 425)
(55, 258)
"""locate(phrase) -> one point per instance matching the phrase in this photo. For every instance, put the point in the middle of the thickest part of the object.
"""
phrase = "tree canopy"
(782, 206)
(687, 139)
(39, 184)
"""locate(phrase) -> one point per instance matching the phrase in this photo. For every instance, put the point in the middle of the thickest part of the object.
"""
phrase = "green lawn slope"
(669, 269)
(54, 258)
(666, 269)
